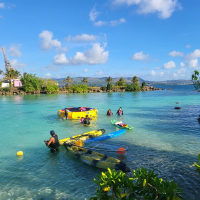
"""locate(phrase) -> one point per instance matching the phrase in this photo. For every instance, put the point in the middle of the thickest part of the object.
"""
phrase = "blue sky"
(152, 39)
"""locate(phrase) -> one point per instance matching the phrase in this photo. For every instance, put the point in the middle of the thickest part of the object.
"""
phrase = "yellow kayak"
(83, 137)
(96, 159)
(78, 112)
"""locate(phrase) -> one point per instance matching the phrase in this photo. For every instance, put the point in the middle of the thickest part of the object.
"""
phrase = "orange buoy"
(121, 150)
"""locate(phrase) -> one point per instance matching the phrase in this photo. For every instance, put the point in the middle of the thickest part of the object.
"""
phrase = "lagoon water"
(163, 139)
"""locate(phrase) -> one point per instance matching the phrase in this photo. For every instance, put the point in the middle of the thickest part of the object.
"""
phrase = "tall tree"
(121, 82)
(109, 80)
(12, 73)
(135, 80)
(1, 72)
(84, 80)
(68, 80)
(196, 80)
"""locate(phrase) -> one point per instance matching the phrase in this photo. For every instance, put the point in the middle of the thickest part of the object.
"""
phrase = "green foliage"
(31, 83)
(12, 73)
(50, 85)
(6, 89)
(135, 80)
(143, 84)
(120, 82)
(109, 80)
(109, 86)
(104, 88)
(79, 88)
(132, 87)
(1, 72)
(143, 184)
(196, 80)
(84, 80)
(68, 80)
(198, 165)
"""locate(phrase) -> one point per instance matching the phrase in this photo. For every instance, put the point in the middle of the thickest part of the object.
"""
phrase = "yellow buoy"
(20, 153)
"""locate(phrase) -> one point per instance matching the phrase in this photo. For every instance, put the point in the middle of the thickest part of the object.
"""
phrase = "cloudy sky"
(152, 39)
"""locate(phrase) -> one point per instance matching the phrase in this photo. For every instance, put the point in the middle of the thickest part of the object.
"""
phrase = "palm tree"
(135, 80)
(1, 72)
(68, 80)
(109, 80)
(12, 74)
(120, 82)
(84, 80)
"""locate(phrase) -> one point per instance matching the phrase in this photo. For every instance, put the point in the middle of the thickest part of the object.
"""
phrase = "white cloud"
(188, 46)
(164, 8)
(193, 63)
(117, 22)
(193, 55)
(99, 73)
(139, 56)
(182, 64)
(2, 5)
(14, 50)
(85, 70)
(157, 68)
(153, 73)
(53, 68)
(84, 38)
(47, 43)
(93, 14)
(112, 23)
(17, 65)
(100, 23)
(47, 75)
(169, 65)
(176, 53)
(60, 60)
(95, 55)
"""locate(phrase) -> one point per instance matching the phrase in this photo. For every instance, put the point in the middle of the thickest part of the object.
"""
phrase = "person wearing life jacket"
(53, 142)
(109, 112)
(120, 112)
(65, 116)
(86, 121)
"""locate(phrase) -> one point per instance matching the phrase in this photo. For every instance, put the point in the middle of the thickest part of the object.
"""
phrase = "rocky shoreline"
(16, 91)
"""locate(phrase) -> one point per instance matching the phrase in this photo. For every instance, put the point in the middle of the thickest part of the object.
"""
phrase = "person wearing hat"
(53, 142)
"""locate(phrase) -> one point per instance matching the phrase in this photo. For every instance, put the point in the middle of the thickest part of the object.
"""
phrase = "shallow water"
(163, 138)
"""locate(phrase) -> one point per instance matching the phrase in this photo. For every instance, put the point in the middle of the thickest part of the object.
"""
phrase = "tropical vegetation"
(135, 80)
(120, 82)
(79, 88)
(143, 184)
(68, 80)
(196, 80)
(84, 80)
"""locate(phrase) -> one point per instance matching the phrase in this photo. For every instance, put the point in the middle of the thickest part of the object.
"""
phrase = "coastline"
(19, 91)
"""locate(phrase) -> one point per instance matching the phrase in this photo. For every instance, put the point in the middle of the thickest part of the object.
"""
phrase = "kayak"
(177, 108)
(83, 137)
(96, 159)
(106, 136)
(102, 146)
(78, 112)
(120, 124)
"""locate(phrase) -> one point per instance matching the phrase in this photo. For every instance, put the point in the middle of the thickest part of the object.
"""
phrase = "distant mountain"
(97, 81)
(101, 81)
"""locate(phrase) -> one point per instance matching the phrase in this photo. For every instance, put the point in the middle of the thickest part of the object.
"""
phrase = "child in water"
(109, 112)
(82, 119)
(120, 112)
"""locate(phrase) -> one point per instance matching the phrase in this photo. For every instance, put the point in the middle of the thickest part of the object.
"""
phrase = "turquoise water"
(163, 138)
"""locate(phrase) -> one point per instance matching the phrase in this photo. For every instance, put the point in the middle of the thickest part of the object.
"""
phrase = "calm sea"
(163, 139)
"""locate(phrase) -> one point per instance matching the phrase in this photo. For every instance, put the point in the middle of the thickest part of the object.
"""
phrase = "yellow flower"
(106, 189)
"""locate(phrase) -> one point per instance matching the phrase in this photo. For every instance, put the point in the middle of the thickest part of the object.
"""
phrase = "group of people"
(53, 142)
(119, 112)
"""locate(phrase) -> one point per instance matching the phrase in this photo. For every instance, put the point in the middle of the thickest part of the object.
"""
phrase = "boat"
(120, 124)
(78, 112)
(95, 159)
(106, 136)
(83, 137)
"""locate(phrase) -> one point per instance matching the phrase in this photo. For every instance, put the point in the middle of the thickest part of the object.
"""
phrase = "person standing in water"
(120, 112)
(86, 121)
(109, 112)
(53, 142)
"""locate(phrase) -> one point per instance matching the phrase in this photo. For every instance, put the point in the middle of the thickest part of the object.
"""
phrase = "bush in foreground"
(144, 184)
